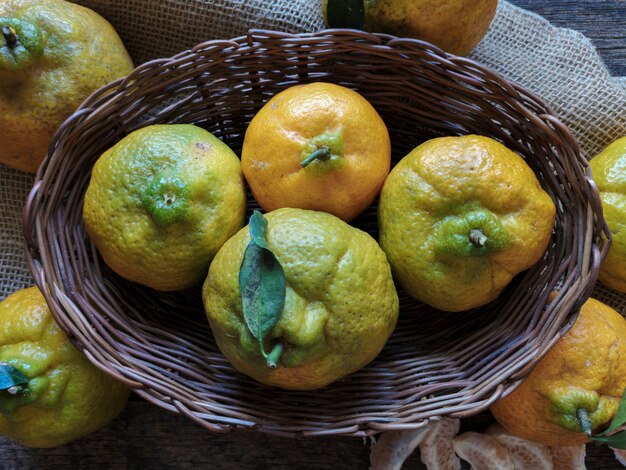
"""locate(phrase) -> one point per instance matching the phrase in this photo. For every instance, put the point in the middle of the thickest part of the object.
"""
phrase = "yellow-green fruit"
(162, 201)
(340, 307)
(609, 173)
(584, 372)
(66, 397)
(459, 217)
(53, 55)
(456, 26)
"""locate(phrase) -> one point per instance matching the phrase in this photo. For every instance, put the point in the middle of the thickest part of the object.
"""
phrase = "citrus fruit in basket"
(578, 383)
(337, 308)
(162, 201)
(318, 146)
(53, 55)
(456, 26)
(459, 217)
(50, 393)
(609, 173)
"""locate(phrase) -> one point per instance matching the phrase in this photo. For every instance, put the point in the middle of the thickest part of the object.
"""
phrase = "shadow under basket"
(435, 364)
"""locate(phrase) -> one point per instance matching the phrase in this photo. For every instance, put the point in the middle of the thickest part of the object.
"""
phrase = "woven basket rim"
(40, 249)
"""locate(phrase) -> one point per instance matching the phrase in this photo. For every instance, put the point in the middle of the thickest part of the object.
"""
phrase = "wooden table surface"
(144, 436)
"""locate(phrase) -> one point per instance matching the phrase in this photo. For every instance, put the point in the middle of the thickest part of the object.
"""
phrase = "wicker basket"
(434, 364)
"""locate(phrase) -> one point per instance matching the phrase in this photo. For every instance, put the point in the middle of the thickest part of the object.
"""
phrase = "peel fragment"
(392, 448)
(620, 455)
(525, 454)
(482, 451)
(568, 457)
(436, 451)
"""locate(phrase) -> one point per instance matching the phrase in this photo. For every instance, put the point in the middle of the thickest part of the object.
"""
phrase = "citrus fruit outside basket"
(434, 364)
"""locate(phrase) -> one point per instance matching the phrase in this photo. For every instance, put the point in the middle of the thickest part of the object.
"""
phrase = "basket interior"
(435, 363)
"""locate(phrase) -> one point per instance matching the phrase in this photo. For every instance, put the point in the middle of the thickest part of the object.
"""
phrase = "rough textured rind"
(291, 125)
(590, 357)
(82, 53)
(455, 26)
(454, 178)
(340, 307)
(69, 397)
(609, 172)
(164, 254)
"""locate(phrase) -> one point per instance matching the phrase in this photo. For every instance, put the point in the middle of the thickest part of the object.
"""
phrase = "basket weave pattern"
(434, 364)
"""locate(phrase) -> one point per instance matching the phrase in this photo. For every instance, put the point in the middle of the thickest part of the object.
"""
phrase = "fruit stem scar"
(477, 237)
(274, 356)
(322, 153)
(10, 36)
(169, 198)
(583, 419)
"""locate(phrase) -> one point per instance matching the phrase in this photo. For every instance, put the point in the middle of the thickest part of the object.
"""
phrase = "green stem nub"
(322, 153)
(583, 419)
(10, 36)
(274, 356)
(477, 237)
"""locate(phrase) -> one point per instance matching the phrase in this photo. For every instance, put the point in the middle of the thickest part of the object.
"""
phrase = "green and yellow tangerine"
(580, 410)
(25, 382)
(45, 390)
(323, 154)
(49, 392)
(477, 232)
(13, 383)
(303, 340)
(337, 278)
(167, 199)
(609, 172)
(21, 44)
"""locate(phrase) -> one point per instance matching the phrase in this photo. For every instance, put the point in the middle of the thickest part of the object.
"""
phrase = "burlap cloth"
(558, 64)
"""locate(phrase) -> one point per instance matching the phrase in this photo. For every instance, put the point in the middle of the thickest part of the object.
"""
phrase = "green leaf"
(616, 441)
(345, 13)
(10, 378)
(620, 417)
(263, 286)
(258, 227)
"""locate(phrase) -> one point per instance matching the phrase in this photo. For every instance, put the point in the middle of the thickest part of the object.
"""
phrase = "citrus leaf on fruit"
(620, 417)
(615, 441)
(258, 227)
(11, 378)
(263, 287)
(345, 13)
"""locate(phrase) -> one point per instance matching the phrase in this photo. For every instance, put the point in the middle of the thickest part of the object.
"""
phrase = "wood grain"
(147, 437)
(602, 21)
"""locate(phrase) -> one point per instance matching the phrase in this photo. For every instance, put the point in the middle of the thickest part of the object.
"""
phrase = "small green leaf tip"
(263, 287)
(11, 379)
